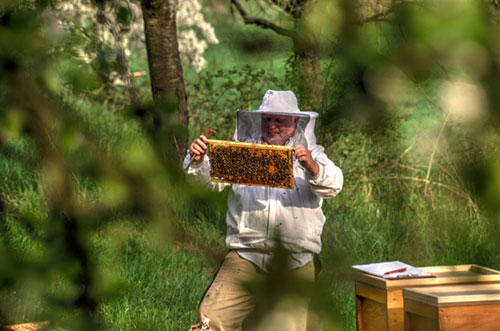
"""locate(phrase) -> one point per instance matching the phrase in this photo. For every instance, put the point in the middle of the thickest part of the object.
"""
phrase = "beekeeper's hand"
(303, 155)
(198, 149)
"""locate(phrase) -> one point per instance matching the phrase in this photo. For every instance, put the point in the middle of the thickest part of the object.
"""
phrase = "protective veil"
(249, 123)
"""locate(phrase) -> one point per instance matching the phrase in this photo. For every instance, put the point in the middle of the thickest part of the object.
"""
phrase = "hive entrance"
(250, 164)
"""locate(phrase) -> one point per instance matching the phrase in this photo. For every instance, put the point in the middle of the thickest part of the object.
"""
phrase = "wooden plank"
(446, 268)
(370, 292)
(459, 274)
(37, 326)
(470, 318)
(371, 311)
(421, 309)
(483, 270)
(395, 319)
(407, 321)
(248, 145)
(415, 322)
(359, 313)
(395, 311)
(373, 315)
(455, 294)
(463, 314)
(467, 273)
(395, 299)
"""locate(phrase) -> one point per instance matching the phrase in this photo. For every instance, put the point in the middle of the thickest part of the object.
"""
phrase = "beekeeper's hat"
(248, 122)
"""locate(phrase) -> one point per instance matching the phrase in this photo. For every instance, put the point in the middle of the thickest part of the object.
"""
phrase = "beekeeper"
(261, 218)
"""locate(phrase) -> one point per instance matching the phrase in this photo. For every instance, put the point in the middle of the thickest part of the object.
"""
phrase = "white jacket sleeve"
(329, 180)
(201, 173)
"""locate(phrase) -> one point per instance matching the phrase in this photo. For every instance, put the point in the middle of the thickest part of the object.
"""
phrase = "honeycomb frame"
(251, 164)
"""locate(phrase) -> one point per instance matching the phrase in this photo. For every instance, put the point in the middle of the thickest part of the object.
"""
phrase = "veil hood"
(248, 122)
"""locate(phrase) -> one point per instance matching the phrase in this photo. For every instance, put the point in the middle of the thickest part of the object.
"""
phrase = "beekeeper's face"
(277, 129)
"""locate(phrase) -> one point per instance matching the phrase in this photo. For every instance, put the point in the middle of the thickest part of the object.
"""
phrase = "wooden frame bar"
(37, 326)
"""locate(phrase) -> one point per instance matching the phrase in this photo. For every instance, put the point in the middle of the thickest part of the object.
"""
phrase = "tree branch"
(378, 17)
(295, 9)
(262, 22)
(382, 16)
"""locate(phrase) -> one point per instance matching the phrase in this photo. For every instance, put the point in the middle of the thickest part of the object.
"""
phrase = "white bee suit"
(261, 218)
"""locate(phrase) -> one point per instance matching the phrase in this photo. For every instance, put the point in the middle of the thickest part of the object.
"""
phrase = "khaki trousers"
(228, 302)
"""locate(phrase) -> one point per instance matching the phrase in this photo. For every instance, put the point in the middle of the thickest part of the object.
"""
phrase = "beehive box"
(473, 307)
(379, 301)
(251, 164)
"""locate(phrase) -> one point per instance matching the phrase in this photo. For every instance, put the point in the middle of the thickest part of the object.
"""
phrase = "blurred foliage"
(410, 113)
(98, 227)
(448, 58)
(216, 96)
(70, 169)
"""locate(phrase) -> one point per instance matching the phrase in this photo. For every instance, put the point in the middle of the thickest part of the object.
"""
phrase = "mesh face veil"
(277, 121)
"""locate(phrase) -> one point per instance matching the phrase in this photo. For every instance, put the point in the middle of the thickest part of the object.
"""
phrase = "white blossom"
(194, 33)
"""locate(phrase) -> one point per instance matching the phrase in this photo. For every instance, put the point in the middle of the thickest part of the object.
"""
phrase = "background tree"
(305, 47)
(121, 29)
(313, 26)
(107, 43)
(165, 68)
(56, 248)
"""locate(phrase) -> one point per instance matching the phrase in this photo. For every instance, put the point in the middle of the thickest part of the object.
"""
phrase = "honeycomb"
(250, 164)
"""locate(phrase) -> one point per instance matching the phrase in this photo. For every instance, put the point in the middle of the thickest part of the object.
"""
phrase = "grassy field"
(403, 199)
(156, 282)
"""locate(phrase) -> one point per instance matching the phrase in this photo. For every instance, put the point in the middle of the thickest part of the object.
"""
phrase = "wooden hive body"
(379, 302)
(251, 164)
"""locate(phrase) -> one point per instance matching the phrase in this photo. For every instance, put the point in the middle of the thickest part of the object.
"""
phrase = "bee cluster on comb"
(251, 164)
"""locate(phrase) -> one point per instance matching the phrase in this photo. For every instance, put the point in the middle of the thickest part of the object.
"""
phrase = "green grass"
(150, 282)
(147, 280)
(160, 286)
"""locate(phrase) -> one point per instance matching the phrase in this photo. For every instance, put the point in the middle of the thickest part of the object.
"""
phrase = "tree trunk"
(165, 66)
(310, 84)
(306, 47)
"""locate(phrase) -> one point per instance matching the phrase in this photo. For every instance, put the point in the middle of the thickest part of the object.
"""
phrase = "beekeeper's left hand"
(303, 155)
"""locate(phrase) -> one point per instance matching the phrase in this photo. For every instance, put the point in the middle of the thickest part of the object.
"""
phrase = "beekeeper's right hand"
(198, 149)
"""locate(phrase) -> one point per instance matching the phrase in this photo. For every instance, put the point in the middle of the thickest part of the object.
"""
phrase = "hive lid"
(453, 295)
(445, 275)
